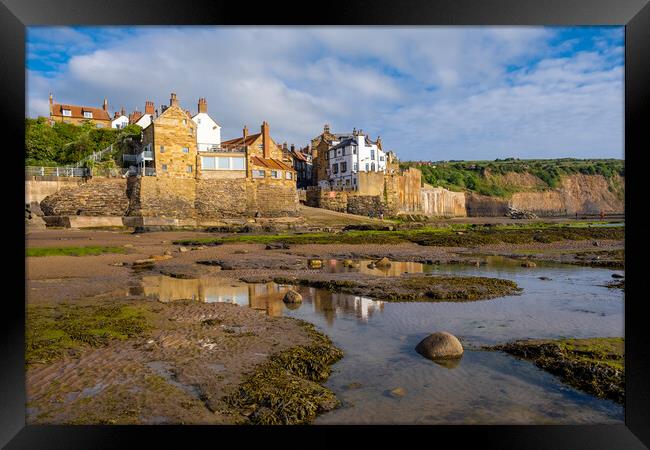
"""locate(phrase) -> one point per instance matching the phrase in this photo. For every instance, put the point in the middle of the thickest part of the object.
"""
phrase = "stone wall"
(164, 197)
(37, 188)
(366, 205)
(221, 198)
(440, 202)
(271, 198)
(96, 197)
(483, 206)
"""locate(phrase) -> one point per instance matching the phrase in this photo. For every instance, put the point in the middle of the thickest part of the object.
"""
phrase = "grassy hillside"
(492, 177)
(64, 143)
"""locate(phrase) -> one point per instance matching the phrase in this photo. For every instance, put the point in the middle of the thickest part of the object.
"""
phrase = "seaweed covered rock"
(440, 345)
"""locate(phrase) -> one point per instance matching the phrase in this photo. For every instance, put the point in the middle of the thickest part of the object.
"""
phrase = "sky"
(431, 93)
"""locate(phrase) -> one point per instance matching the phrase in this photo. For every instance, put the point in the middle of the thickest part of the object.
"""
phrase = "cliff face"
(579, 193)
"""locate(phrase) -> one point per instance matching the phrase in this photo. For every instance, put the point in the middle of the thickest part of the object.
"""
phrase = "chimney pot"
(203, 105)
(105, 107)
(173, 100)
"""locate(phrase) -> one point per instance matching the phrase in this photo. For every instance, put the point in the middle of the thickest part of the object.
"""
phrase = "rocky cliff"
(583, 194)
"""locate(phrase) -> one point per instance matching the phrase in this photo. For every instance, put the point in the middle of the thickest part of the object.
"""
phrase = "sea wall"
(95, 197)
(441, 202)
(37, 188)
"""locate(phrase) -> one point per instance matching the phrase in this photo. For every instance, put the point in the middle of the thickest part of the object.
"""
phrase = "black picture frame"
(634, 14)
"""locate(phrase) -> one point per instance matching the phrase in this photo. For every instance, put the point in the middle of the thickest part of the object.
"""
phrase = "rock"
(140, 262)
(528, 264)
(383, 262)
(160, 257)
(276, 246)
(372, 266)
(440, 345)
(545, 278)
(128, 245)
(240, 252)
(314, 263)
(595, 244)
(354, 385)
(516, 214)
(182, 249)
(617, 275)
(347, 263)
(292, 297)
(397, 392)
(167, 253)
(117, 264)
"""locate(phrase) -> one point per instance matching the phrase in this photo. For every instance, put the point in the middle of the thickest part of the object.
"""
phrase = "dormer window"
(67, 112)
(88, 114)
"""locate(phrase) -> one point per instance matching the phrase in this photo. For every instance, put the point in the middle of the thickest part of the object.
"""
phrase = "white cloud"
(430, 92)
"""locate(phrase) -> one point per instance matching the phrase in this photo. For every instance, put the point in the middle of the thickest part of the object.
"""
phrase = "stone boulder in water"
(292, 297)
(440, 345)
(383, 262)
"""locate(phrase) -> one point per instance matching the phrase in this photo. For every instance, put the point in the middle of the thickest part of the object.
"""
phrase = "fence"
(31, 171)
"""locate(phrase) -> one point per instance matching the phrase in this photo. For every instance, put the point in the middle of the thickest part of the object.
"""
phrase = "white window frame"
(88, 114)
(67, 113)
(258, 173)
(185, 149)
(288, 175)
(276, 174)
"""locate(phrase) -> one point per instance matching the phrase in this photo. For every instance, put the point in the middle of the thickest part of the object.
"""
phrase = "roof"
(345, 143)
(241, 141)
(299, 155)
(270, 163)
(77, 112)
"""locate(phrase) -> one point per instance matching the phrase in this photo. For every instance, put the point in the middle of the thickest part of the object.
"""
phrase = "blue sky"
(432, 93)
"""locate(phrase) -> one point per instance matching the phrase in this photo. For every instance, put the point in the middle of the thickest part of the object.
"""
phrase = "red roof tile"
(77, 112)
(240, 140)
(270, 163)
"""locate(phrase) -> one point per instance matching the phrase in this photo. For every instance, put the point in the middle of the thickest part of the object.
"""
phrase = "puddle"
(379, 340)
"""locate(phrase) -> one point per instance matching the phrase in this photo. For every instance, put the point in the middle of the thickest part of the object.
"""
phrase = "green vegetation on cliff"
(484, 177)
(64, 143)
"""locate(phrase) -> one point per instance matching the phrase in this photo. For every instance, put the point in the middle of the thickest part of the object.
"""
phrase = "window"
(356, 167)
(88, 114)
(331, 154)
(99, 125)
(198, 120)
(277, 174)
(67, 112)
(258, 174)
(344, 167)
(372, 154)
(164, 167)
(260, 146)
(237, 163)
(189, 169)
(343, 151)
(381, 158)
(289, 176)
(367, 167)
(184, 122)
(338, 152)
(186, 150)
(208, 163)
(223, 163)
(335, 168)
(354, 150)
(162, 149)
(372, 166)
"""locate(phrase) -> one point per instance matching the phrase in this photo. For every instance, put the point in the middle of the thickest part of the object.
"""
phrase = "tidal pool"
(379, 339)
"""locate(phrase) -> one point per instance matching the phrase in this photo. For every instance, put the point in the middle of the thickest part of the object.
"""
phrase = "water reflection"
(395, 269)
(265, 297)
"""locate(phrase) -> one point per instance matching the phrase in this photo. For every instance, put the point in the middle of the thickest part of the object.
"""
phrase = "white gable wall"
(208, 132)
(120, 122)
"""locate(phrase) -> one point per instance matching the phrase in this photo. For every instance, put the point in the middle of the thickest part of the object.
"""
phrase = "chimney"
(122, 112)
(203, 105)
(173, 100)
(379, 142)
(116, 115)
(245, 132)
(266, 140)
(105, 107)
(293, 148)
(326, 128)
(51, 98)
(148, 107)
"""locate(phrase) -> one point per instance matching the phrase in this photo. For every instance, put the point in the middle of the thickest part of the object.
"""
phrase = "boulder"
(314, 263)
(276, 246)
(528, 264)
(372, 266)
(347, 263)
(397, 392)
(182, 249)
(383, 262)
(167, 253)
(292, 297)
(440, 345)
(617, 275)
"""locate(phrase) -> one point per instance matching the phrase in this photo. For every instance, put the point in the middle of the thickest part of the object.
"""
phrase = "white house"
(353, 154)
(120, 120)
(143, 120)
(208, 132)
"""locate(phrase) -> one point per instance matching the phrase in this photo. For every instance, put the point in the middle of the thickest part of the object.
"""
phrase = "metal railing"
(34, 171)
(219, 149)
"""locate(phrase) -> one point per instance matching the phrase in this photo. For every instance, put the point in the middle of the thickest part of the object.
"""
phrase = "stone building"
(303, 164)
(77, 115)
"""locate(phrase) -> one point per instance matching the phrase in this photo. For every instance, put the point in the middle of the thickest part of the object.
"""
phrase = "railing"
(129, 158)
(219, 149)
(146, 155)
(32, 171)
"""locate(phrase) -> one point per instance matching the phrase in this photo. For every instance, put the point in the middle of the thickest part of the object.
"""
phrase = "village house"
(140, 119)
(120, 120)
(77, 115)
(339, 158)
(208, 134)
(303, 165)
